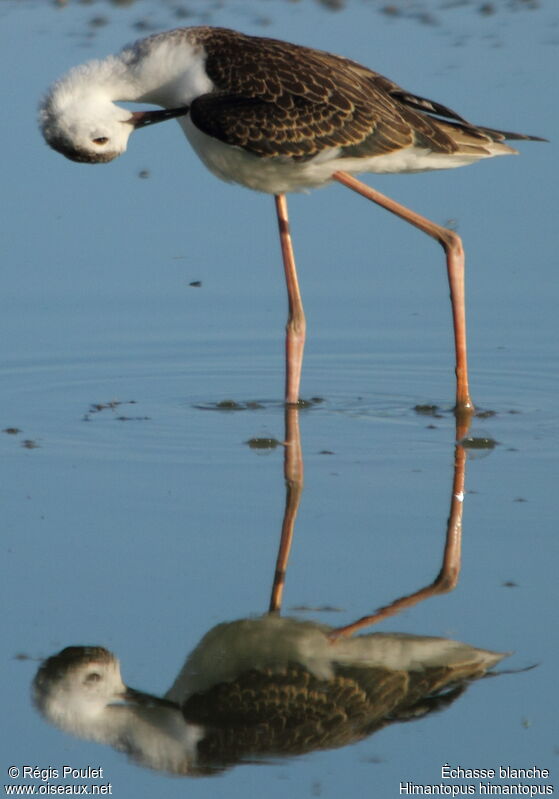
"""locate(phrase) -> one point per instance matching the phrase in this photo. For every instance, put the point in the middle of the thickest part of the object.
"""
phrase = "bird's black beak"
(133, 697)
(140, 119)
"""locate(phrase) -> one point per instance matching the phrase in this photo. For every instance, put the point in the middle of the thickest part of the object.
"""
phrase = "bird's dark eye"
(93, 676)
(100, 140)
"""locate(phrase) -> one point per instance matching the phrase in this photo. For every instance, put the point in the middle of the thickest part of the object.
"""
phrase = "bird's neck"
(167, 73)
(109, 79)
(155, 736)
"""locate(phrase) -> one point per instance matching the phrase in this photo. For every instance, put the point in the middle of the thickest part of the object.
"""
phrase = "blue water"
(135, 514)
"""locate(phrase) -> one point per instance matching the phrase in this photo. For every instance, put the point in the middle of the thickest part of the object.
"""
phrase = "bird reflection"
(257, 689)
(269, 687)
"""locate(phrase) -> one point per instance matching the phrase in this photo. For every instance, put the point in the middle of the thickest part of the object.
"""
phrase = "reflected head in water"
(257, 689)
(80, 690)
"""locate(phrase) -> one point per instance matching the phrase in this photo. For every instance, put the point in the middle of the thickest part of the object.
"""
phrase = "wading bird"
(255, 689)
(275, 117)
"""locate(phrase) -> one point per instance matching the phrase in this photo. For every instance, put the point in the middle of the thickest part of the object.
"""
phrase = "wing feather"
(273, 98)
(278, 99)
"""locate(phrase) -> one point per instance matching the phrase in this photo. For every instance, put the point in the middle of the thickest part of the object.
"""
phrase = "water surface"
(136, 515)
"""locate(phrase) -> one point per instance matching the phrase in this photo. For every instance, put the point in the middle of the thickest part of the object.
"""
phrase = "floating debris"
(112, 405)
(230, 405)
(479, 442)
(428, 410)
(263, 443)
(485, 414)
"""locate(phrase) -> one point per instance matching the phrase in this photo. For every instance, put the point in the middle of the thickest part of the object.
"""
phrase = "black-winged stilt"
(275, 117)
(257, 688)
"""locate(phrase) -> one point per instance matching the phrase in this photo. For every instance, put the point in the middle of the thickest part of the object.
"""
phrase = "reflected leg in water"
(452, 245)
(270, 686)
(293, 474)
(447, 577)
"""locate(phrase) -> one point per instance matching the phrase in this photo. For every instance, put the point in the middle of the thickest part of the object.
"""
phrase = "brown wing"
(276, 98)
(265, 713)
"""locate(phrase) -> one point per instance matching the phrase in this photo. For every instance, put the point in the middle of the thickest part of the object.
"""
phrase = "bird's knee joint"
(296, 326)
(452, 242)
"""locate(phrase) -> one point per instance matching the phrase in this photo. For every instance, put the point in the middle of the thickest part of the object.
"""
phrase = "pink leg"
(452, 245)
(296, 325)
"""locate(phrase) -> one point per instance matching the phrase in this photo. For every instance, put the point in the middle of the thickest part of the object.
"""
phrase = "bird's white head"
(79, 687)
(73, 689)
(79, 118)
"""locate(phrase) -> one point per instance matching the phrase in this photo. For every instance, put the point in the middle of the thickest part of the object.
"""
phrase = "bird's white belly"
(270, 175)
(278, 175)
